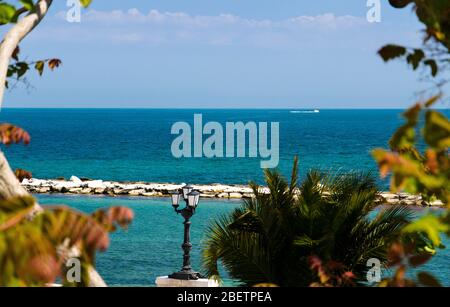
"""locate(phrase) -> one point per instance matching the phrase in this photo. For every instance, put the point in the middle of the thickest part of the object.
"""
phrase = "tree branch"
(9, 184)
(15, 35)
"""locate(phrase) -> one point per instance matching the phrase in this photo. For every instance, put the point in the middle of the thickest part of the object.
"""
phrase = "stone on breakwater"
(75, 190)
(436, 203)
(94, 184)
(43, 190)
(99, 190)
(150, 194)
(79, 186)
(75, 179)
(85, 191)
(136, 192)
(235, 195)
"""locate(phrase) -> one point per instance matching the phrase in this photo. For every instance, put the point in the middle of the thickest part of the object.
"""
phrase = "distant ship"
(306, 111)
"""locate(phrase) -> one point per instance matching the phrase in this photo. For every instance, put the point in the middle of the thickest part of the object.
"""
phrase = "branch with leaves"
(418, 159)
(22, 20)
(31, 238)
(34, 253)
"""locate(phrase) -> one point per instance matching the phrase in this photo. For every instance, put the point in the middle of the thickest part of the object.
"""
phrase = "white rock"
(150, 194)
(389, 195)
(75, 179)
(99, 190)
(436, 203)
(95, 184)
(136, 192)
(75, 190)
(36, 182)
(71, 185)
(235, 195)
(43, 190)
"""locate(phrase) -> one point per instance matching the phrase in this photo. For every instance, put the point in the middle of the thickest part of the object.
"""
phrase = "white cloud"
(156, 27)
(181, 19)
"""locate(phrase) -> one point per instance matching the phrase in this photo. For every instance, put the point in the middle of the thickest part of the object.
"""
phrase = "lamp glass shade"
(186, 190)
(193, 199)
(175, 198)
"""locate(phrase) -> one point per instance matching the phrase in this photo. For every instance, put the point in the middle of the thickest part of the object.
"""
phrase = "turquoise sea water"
(152, 245)
(135, 145)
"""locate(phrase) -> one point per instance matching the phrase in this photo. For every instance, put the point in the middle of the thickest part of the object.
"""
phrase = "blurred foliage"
(401, 258)
(35, 244)
(428, 171)
(271, 237)
(331, 274)
(418, 159)
(10, 134)
(34, 251)
(22, 174)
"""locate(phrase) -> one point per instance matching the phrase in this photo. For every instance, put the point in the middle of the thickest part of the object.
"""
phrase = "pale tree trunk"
(9, 184)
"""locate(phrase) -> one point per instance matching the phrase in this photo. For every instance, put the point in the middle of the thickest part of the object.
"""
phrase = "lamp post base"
(186, 275)
(165, 281)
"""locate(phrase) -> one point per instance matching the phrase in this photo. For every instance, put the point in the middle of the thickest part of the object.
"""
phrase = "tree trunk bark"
(15, 35)
(9, 184)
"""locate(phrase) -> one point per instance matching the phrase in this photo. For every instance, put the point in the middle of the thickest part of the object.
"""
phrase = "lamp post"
(191, 197)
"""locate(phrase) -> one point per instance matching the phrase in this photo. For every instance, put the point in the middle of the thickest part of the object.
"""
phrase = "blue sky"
(220, 53)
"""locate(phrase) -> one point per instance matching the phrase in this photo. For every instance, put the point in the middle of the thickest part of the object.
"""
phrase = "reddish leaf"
(54, 63)
(419, 259)
(431, 161)
(396, 254)
(22, 174)
(10, 134)
(428, 280)
(44, 268)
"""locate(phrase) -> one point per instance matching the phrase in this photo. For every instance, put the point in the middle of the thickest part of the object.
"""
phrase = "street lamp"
(191, 198)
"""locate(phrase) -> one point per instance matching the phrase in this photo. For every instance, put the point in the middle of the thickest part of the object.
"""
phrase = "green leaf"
(22, 68)
(85, 3)
(390, 52)
(437, 130)
(415, 58)
(430, 225)
(28, 4)
(399, 4)
(433, 66)
(40, 67)
(7, 13)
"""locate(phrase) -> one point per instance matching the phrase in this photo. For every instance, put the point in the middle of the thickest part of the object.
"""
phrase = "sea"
(135, 145)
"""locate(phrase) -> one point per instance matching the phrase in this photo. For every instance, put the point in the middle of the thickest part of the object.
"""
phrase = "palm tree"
(271, 236)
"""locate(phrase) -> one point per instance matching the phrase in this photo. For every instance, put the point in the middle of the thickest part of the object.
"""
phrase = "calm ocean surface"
(152, 245)
(135, 145)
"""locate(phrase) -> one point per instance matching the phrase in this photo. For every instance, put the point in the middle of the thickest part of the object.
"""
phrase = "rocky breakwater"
(99, 187)
(112, 188)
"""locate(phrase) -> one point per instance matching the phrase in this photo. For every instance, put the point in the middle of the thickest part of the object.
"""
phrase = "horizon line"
(213, 108)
